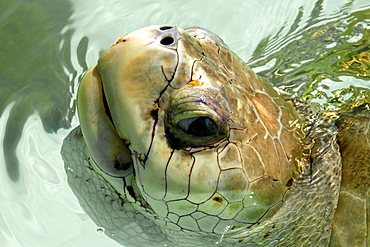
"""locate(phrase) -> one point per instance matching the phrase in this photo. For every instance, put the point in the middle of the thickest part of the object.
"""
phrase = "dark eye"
(198, 126)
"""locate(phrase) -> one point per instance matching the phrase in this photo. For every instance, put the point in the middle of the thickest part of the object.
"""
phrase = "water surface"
(317, 49)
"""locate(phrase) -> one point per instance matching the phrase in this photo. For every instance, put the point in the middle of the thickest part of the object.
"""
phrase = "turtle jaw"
(106, 148)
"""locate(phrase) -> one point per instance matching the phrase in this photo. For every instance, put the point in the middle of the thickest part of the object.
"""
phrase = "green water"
(325, 62)
(317, 49)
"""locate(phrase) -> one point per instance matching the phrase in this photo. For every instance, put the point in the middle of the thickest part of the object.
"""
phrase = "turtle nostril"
(165, 28)
(167, 41)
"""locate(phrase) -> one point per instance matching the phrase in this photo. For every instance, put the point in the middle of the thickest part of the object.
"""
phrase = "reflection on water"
(314, 48)
(326, 61)
(32, 75)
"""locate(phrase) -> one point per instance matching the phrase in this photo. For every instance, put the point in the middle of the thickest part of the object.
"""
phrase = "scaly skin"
(264, 170)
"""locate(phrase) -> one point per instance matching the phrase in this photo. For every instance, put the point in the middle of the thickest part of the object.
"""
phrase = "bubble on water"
(100, 230)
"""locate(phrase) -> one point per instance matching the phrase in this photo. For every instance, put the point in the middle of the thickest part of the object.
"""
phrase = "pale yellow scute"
(251, 156)
(233, 184)
(230, 157)
(177, 173)
(204, 176)
(268, 112)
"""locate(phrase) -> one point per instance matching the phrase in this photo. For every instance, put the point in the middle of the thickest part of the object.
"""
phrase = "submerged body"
(182, 144)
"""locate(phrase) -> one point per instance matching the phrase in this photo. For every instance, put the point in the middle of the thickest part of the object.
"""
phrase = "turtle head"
(206, 142)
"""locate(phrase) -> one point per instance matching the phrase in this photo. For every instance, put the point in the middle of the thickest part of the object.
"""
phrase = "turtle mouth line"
(109, 115)
(106, 107)
(127, 166)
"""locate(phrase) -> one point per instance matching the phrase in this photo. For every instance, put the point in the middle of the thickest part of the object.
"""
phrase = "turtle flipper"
(106, 147)
(351, 222)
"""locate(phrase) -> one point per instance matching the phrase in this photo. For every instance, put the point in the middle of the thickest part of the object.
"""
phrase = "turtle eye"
(195, 131)
(193, 118)
(198, 126)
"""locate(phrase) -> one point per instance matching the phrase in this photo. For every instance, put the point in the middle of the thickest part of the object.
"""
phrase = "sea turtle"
(181, 144)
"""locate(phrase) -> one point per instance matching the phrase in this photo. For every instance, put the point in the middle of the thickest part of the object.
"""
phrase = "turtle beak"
(135, 71)
(108, 87)
(106, 148)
